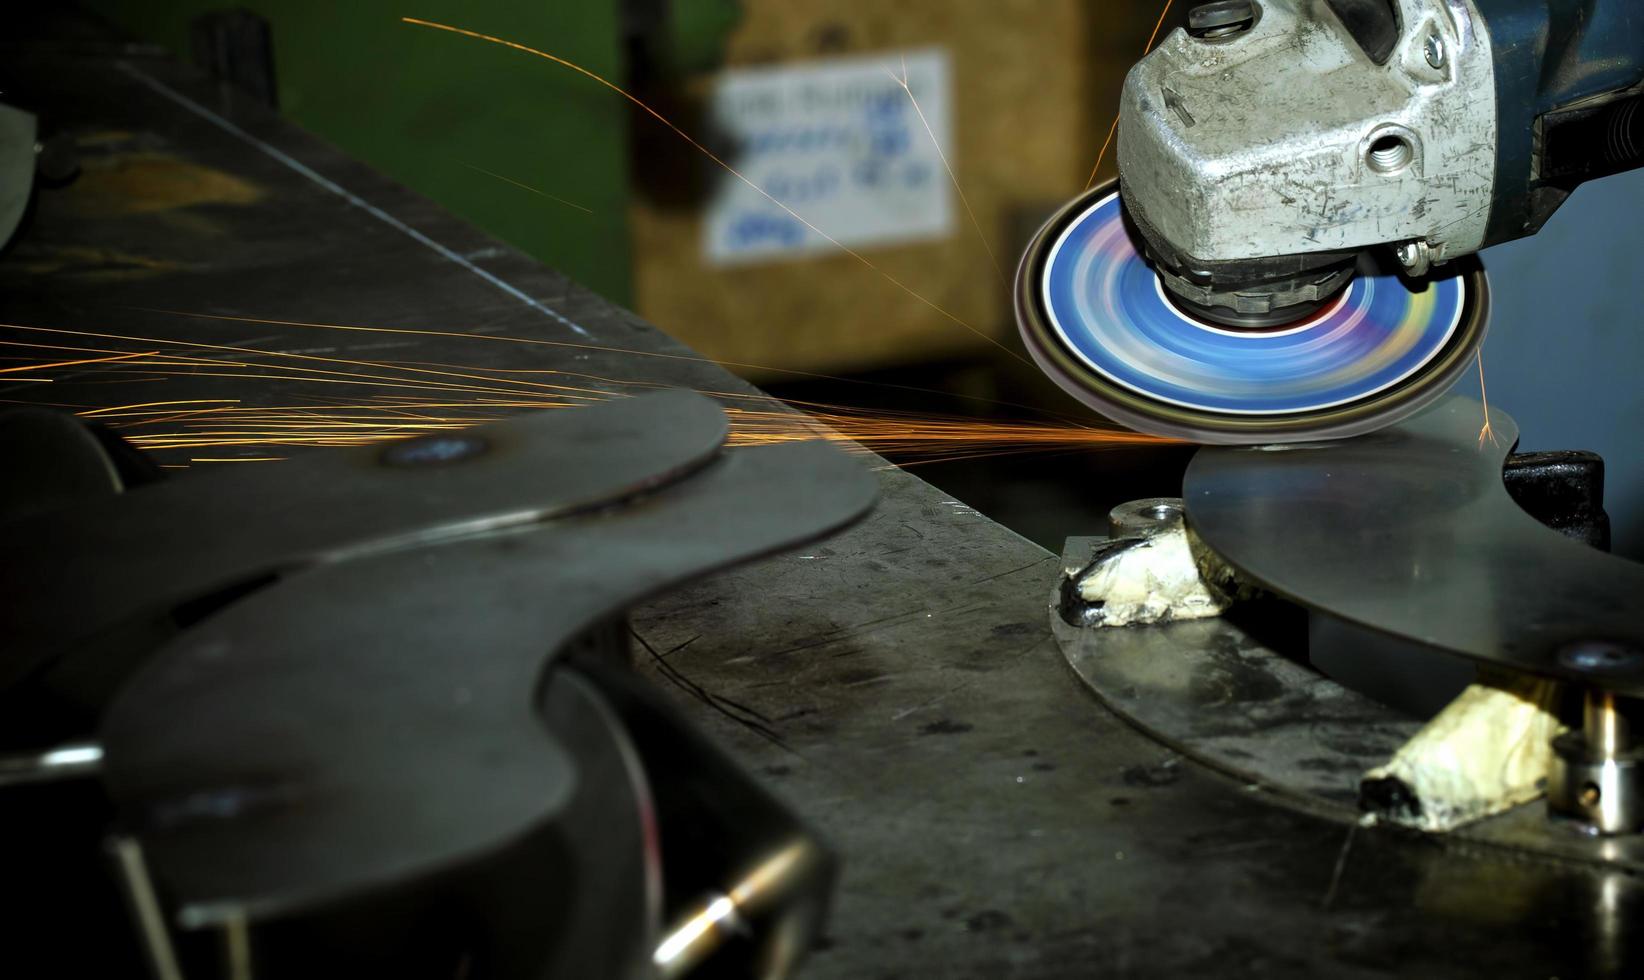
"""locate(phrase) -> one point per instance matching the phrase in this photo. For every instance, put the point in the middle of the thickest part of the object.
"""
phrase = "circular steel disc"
(1097, 320)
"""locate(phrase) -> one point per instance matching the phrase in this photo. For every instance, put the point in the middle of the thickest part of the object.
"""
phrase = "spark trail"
(1091, 180)
(527, 187)
(1486, 433)
(604, 349)
(352, 402)
(664, 120)
(937, 144)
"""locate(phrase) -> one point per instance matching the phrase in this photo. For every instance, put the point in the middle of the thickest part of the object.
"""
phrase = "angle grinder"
(1289, 253)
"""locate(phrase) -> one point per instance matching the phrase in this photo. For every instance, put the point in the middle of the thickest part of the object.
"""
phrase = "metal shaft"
(1605, 728)
(1597, 777)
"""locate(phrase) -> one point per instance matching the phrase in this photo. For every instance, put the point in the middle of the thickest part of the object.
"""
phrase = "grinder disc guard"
(1097, 319)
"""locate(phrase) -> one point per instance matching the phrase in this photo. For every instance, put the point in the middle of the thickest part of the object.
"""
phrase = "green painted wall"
(426, 106)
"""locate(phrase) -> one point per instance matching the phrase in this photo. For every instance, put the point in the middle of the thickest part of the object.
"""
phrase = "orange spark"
(1486, 432)
(918, 438)
(1091, 180)
(903, 82)
(176, 401)
(604, 349)
(510, 180)
(413, 397)
(83, 360)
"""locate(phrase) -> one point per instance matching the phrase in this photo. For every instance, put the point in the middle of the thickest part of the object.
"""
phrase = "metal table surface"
(898, 683)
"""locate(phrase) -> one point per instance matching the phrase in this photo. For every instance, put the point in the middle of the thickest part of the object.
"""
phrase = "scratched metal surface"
(897, 684)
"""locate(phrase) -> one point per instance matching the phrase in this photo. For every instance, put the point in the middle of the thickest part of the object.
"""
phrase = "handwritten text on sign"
(840, 143)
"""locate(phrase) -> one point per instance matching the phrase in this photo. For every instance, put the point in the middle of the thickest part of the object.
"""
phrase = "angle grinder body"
(1289, 253)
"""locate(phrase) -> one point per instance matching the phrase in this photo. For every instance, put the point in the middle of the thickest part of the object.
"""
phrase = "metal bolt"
(1434, 49)
(1221, 19)
(1601, 657)
(1144, 518)
(1416, 257)
(433, 450)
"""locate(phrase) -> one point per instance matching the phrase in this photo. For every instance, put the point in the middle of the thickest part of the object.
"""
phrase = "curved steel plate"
(17, 138)
(374, 720)
(1215, 691)
(1410, 531)
(171, 542)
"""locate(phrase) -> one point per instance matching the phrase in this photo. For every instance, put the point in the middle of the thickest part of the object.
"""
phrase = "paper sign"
(841, 144)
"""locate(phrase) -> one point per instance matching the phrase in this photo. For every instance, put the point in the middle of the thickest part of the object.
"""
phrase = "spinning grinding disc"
(1098, 321)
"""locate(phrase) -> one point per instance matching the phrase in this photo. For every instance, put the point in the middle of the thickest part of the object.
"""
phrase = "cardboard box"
(1031, 88)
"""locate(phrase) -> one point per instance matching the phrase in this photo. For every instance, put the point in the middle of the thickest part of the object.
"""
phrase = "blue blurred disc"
(1104, 303)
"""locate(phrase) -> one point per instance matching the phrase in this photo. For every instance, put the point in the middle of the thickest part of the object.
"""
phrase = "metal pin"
(237, 946)
(144, 906)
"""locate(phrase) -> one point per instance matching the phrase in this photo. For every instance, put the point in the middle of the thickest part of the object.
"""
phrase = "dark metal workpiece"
(1409, 531)
(56, 461)
(173, 546)
(18, 135)
(372, 722)
(1219, 691)
(52, 462)
(1237, 693)
(896, 685)
(359, 743)
(1562, 489)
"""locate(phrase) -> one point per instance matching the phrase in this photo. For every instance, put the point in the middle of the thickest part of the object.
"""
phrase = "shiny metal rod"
(776, 879)
(1605, 728)
(1597, 776)
(144, 905)
(72, 761)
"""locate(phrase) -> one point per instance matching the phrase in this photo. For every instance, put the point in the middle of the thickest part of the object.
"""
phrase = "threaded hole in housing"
(1389, 154)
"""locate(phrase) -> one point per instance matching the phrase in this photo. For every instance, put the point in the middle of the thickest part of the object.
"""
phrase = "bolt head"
(1221, 19)
(435, 450)
(1434, 49)
(1601, 657)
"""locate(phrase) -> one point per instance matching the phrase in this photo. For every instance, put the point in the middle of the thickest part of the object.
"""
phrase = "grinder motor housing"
(1262, 149)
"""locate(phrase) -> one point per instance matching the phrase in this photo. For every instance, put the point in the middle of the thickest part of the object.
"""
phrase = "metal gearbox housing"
(1272, 155)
